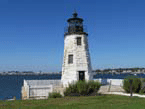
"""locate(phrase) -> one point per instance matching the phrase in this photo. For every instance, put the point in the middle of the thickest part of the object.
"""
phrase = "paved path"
(116, 90)
(125, 94)
(105, 88)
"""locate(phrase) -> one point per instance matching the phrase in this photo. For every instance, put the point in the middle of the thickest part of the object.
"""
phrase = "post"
(109, 86)
(130, 87)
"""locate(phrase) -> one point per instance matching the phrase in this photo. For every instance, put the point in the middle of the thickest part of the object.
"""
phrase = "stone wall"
(34, 90)
(81, 59)
(117, 82)
(25, 92)
(40, 91)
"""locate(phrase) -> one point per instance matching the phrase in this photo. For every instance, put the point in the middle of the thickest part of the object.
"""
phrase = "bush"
(143, 87)
(94, 86)
(82, 88)
(136, 84)
(142, 90)
(143, 80)
(55, 95)
(72, 88)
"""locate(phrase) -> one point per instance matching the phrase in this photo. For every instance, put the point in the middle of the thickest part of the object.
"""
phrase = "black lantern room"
(75, 25)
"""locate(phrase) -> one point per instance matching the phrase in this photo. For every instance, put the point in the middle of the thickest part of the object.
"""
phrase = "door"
(81, 75)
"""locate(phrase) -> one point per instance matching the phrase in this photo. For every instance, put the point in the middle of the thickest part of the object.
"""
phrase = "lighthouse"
(76, 60)
(76, 63)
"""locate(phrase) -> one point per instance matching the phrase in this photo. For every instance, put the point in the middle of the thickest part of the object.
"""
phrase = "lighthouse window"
(78, 40)
(70, 59)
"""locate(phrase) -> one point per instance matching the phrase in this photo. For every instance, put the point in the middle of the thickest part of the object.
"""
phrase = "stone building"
(76, 63)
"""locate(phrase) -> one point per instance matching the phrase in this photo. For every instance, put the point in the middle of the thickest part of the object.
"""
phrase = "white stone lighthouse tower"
(76, 60)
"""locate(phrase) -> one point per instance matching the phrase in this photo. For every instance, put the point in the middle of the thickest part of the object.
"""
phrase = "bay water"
(10, 85)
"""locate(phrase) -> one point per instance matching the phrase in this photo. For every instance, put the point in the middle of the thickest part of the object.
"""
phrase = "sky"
(32, 33)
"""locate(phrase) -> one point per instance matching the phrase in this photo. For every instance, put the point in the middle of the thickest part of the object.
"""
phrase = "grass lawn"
(91, 102)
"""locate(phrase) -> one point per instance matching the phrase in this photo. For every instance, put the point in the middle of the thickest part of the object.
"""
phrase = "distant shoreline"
(26, 74)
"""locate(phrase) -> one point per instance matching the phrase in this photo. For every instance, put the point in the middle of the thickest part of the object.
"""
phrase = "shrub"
(72, 88)
(55, 95)
(142, 91)
(82, 88)
(136, 84)
(94, 86)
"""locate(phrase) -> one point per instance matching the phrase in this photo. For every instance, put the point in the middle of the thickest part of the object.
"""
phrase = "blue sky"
(32, 33)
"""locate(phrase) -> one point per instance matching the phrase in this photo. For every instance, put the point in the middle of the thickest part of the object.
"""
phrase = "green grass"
(91, 102)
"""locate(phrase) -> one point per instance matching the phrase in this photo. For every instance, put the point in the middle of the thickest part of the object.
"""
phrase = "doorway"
(81, 75)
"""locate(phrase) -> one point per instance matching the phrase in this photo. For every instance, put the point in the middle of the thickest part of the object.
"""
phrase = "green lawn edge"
(90, 102)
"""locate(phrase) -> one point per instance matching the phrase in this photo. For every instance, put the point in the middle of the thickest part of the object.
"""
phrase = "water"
(117, 76)
(10, 85)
